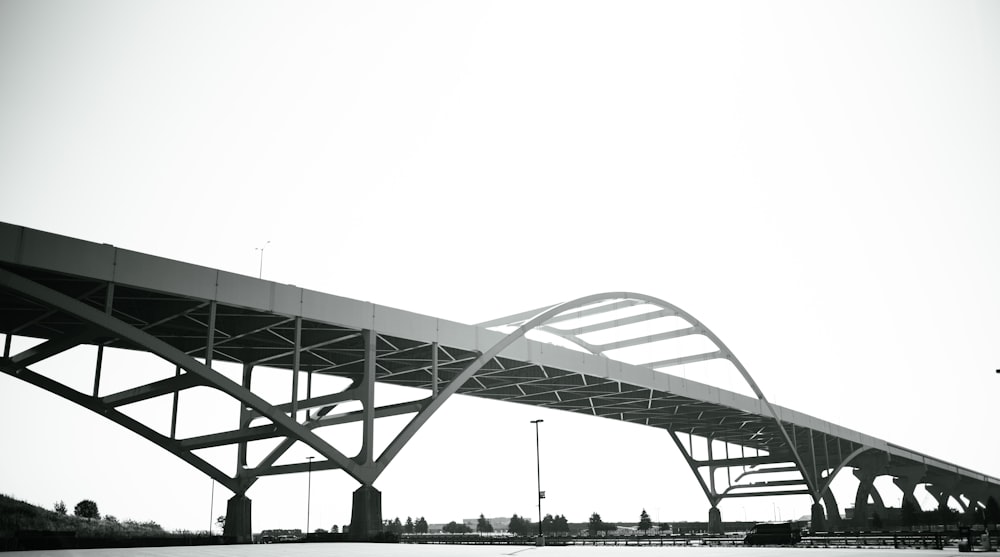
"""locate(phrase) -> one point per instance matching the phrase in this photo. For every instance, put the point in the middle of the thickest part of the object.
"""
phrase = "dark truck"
(782, 533)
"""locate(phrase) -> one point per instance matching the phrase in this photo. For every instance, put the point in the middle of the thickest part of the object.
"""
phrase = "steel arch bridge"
(69, 292)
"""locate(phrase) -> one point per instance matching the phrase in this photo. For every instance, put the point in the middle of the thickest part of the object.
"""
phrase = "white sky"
(818, 183)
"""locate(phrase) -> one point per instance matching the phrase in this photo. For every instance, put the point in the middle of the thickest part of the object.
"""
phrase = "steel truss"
(178, 335)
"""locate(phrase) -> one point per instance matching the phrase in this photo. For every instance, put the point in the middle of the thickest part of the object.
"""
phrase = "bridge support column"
(866, 488)
(366, 514)
(818, 522)
(833, 523)
(238, 519)
(908, 485)
(861, 501)
(714, 521)
(942, 490)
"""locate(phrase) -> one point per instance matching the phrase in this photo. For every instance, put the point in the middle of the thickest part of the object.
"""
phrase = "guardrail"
(692, 541)
(475, 539)
(464, 539)
(922, 540)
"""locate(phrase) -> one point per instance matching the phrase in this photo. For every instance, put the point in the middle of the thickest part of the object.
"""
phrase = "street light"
(541, 494)
(211, 509)
(309, 493)
(260, 272)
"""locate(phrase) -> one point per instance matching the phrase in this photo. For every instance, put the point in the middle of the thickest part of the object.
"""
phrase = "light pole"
(211, 509)
(309, 493)
(260, 272)
(541, 494)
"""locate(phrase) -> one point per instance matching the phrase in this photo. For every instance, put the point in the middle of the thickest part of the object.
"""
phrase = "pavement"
(411, 550)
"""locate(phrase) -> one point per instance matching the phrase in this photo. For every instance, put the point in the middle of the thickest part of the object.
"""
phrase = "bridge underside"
(732, 451)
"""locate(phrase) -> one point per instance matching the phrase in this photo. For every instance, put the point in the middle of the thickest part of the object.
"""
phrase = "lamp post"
(541, 494)
(260, 272)
(309, 493)
(211, 509)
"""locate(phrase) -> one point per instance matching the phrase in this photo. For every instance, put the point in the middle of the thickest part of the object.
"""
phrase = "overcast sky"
(817, 182)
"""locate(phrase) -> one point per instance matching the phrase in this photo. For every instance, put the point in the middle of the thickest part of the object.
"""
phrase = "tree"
(393, 526)
(664, 527)
(335, 529)
(548, 524)
(408, 527)
(595, 525)
(992, 511)
(518, 526)
(60, 507)
(645, 524)
(86, 509)
(560, 525)
(421, 526)
(221, 521)
(483, 526)
(455, 528)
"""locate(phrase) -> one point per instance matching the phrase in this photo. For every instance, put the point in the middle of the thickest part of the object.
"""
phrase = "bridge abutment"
(238, 519)
(366, 513)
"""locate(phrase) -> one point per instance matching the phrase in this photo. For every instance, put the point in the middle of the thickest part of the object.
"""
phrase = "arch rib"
(628, 299)
(540, 318)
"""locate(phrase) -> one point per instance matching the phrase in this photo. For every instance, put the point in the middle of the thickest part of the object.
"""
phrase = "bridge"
(607, 355)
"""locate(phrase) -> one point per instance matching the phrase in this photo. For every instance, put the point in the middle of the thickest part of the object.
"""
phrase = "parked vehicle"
(781, 533)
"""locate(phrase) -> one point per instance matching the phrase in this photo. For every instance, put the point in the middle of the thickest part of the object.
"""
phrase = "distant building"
(499, 524)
